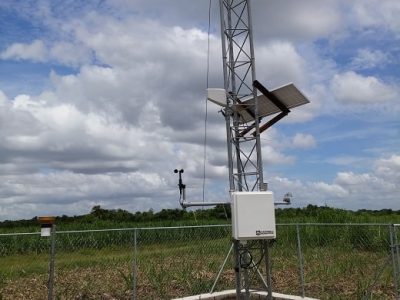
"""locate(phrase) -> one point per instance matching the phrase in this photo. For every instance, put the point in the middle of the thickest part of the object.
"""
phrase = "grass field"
(339, 263)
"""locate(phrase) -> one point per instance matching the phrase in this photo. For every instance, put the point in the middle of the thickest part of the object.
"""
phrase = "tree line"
(217, 214)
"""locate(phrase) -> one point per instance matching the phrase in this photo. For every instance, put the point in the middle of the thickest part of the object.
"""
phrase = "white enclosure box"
(253, 215)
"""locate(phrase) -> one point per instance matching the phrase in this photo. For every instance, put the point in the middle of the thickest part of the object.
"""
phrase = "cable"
(247, 258)
(206, 108)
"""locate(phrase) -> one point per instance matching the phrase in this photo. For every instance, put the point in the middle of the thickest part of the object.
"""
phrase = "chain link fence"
(326, 261)
(341, 261)
(24, 263)
(396, 257)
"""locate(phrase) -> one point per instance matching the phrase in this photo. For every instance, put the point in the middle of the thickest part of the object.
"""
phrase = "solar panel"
(289, 95)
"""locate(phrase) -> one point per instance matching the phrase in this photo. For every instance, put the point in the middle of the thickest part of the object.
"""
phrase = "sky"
(101, 100)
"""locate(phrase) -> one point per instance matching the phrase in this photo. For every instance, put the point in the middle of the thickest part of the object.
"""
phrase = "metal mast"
(243, 110)
(244, 149)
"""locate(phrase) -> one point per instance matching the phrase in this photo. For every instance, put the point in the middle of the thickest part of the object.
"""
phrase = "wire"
(247, 258)
(206, 104)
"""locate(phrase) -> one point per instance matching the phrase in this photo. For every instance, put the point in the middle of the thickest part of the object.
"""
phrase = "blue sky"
(101, 100)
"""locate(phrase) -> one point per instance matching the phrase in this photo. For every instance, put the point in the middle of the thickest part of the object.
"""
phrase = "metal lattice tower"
(243, 139)
(243, 110)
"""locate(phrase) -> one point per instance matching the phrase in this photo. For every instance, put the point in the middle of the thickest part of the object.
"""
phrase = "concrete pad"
(231, 294)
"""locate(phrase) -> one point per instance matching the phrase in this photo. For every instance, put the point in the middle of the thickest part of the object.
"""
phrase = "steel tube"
(228, 104)
(134, 267)
(392, 248)
(189, 204)
(50, 290)
(300, 258)
(221, 269)
(268, 269)
(237, 270)
(261, 186)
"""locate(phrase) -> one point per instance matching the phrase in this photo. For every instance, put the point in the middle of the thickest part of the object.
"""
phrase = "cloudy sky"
(101, 100)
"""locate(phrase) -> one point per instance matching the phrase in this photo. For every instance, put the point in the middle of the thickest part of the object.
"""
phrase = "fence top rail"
(196, 226)
(142, 228)
(336, 224)
(19, 233)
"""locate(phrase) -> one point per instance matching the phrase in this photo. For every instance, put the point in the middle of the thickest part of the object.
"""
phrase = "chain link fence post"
(134, 267)
(397, 226)
(393, 248)
(50, 291)
(396, 242)
(300, 258)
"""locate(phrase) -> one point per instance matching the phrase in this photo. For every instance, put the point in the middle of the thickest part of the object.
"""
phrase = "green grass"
(16, 266)
(162, 268)
(345, 262)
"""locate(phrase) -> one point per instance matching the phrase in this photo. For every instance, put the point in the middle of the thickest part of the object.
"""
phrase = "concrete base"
(231, 294)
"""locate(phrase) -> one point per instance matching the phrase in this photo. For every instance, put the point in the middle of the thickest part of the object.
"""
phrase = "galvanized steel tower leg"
(237, 270)
(268, 268)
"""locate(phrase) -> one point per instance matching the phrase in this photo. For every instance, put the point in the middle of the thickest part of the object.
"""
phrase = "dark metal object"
(181, 186)
(284, 110)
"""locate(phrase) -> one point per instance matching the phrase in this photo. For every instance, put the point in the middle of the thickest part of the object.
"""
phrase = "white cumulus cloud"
(376, 189)
(367, 58)
(304, 141)
(353, 88)
(376, 13)
(111, 129)
(35, 51)
(280, 63)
